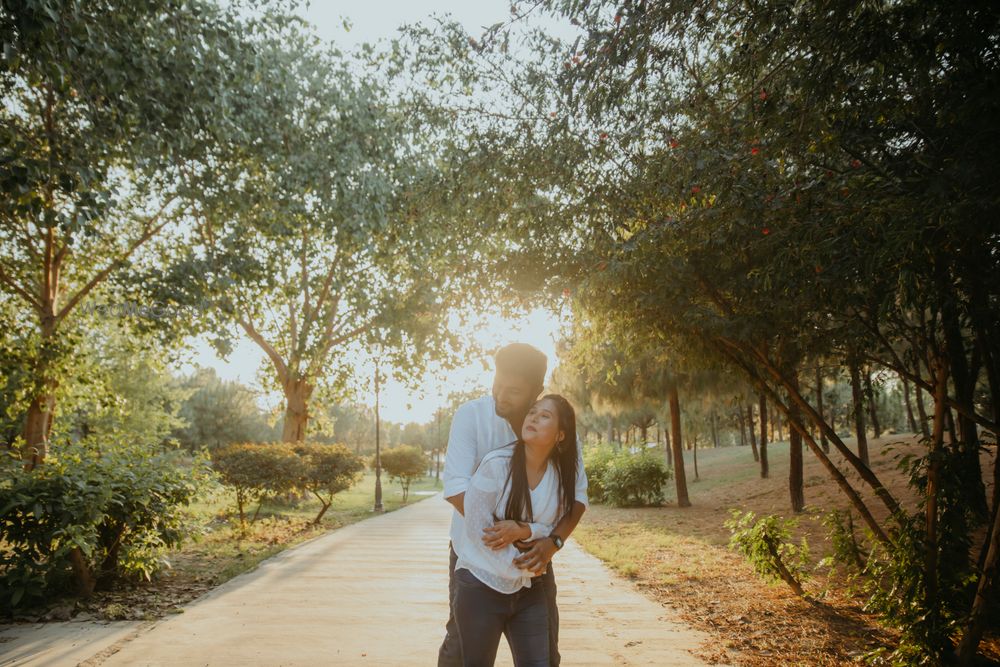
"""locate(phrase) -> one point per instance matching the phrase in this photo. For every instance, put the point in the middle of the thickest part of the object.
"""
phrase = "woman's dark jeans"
(450, 653)
(483, 614)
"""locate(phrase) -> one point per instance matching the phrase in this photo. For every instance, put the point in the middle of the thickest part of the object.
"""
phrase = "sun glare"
(399, 402)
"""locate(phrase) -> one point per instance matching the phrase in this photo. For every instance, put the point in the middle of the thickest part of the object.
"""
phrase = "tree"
(102, 108)
(314, 238)
(326, 471)
(257, 471)
(758, 149)
(219, 413)
(768, 190)
(404, 464)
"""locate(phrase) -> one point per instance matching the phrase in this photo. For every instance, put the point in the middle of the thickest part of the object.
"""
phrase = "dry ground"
(680, 557)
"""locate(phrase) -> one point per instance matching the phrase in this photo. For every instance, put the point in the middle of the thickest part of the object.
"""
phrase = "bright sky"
(399, 403)
(371, 21)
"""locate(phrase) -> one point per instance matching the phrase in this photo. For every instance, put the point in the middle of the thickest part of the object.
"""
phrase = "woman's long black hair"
(563, 455)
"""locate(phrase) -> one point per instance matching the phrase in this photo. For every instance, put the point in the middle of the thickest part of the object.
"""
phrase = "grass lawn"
(681, 558)
(221, 551)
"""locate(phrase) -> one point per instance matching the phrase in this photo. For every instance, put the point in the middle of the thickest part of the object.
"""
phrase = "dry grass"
(681, 558)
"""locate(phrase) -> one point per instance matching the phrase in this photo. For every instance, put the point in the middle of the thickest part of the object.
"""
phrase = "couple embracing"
(514, 474)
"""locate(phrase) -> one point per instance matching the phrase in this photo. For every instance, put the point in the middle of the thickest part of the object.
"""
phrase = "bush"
(404, 464)
(596, 462)
(89, 518)
(257, 471)
(765, 544)
(326, 470)
(624, 479)
(636, 480)
(896, 582)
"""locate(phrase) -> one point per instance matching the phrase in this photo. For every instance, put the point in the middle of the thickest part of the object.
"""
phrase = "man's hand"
(537, 558)
(503, 533)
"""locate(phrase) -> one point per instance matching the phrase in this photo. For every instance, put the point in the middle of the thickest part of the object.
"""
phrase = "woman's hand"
(502, 533)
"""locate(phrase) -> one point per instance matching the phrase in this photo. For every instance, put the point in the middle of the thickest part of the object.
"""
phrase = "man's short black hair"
(524, 360)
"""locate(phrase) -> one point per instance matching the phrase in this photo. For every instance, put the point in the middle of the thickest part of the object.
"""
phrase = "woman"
(517, 494)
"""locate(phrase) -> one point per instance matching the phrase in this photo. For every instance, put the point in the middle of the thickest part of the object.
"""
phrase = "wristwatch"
(556, 540)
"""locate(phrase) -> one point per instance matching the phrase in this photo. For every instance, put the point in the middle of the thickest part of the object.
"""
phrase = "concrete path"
(374, 593)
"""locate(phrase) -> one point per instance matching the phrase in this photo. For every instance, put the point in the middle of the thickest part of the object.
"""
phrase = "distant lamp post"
(378, 453)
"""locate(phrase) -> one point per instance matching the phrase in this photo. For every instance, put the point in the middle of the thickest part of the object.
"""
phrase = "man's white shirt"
(476, 430)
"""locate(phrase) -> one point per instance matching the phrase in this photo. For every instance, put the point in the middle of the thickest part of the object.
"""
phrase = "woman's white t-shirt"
(487, 495)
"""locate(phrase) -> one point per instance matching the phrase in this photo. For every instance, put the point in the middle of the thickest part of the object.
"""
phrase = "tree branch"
(23, 292)
(101, 275)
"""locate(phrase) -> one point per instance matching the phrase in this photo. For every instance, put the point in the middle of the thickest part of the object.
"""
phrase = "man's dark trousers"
(450, 653)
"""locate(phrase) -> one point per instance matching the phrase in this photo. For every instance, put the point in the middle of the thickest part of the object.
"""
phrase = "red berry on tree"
(674, 143)
(618, 19)
(695, 189)
(856, 164)
(765, 231)
(754, 151)
(602, 136)
(763, 94)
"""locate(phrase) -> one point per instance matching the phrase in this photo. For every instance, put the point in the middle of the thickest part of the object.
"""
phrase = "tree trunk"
(863, 470)
(922, 411)
(611, 430)
(694, 449)
(783, 570)
(838, 476)
(909, 406)
(976, 623)
(964, 376)
(85, 581)
(819, 408)
(677, 447)
(715, 431)
(297, 394)
(38, 426)
(764, 469)
(795, 475)
(41, 411)
(667, 447)
(933, 487)
(859, 410)
(741, 423)
(753, 434)
(872, 406)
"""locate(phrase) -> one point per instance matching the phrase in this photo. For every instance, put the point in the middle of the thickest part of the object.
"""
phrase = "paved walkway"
(372, 593)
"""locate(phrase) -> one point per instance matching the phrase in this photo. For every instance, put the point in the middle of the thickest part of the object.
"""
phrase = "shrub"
(765, 544)
(404, 464)
(896, 581)
(89, 518)
(596, 462)
(257, 471)
(624, 479)
(326, 470)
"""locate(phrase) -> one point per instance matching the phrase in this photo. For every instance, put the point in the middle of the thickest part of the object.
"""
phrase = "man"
(478, 427)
